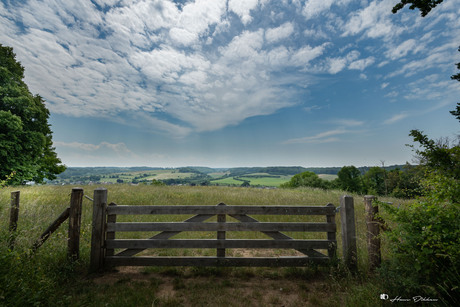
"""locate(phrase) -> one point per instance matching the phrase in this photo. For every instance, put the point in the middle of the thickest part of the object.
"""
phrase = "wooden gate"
(105, 227)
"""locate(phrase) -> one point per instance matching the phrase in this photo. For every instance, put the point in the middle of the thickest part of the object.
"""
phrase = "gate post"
(73, 246)
(98, 230)
(347, 217)
(373, 230)
(14, 216)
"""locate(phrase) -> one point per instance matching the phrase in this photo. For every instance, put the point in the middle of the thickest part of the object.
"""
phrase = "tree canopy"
(424, 6)
(26, 147)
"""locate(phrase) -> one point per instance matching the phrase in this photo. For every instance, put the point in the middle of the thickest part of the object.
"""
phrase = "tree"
(26, 147)
(456, 112)
(349, 179)
(374, 180)
(306, 179)
(424, 6)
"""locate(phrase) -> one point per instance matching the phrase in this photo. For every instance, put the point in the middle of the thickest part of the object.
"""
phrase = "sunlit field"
(52, 278)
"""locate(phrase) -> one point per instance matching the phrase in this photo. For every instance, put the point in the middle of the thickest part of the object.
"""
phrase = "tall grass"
(48, 279)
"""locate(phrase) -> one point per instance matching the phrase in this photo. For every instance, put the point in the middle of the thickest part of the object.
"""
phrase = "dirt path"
(232, 287)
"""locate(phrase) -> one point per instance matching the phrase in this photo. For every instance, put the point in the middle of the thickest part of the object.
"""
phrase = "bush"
(424, 243)
(306, 179)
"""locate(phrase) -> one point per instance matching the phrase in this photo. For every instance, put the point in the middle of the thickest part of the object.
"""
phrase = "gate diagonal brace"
(167, 234)
(276, 234)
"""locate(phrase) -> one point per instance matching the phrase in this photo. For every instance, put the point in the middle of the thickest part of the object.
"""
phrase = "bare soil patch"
(245, 287)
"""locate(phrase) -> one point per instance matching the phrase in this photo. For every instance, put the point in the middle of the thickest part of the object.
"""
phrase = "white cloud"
(247, 45)
(182, 36)
(402, 50)
(362, 64)
(348, 122)
(306, 54)
(310, 109)
(433, 59)
(374, 20)
(313, 8)
(336, 65)
(315, 33)
(118, 148)
(276, 34)
(183, 68)
(392, 94)
(87, 154)
(243, 8)
(323, 137)
(395, 118)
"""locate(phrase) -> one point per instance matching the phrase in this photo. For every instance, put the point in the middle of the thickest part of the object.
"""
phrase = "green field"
(260, 177)
(267, 181)
(48, 279)
(327, 176)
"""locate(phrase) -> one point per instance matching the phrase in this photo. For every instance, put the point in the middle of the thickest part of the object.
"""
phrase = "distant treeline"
(402, 182)
(95, 171)
(233, 172)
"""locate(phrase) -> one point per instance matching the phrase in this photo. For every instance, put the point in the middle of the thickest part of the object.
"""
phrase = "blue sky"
(237, 82)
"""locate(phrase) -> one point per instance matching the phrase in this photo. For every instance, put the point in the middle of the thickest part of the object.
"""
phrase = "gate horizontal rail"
(254, 210)
(181, 226)
(211, 243)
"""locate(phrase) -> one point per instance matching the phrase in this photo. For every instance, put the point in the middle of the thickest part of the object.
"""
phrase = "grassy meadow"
(48, 279)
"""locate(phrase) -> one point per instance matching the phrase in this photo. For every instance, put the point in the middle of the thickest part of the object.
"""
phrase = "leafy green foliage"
(425, 238)
(306, 179)
(425, 6)
(456, 112)
(375, 181)
(157, 182)
(25, 135)
(405, 183)
(349, 179)
(424, 248)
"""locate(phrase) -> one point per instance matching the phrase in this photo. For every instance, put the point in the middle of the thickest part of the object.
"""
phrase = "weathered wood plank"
(221, 219)
(111, 219)
(257, 210)
(14, 216)
(212, 243)
(167, 234)
(73, 244)
(373, 231)
(251, 226)
(52, 228)
(215, 261)
(98, 230)
(347, 218)
(274, 234)
(331, 235)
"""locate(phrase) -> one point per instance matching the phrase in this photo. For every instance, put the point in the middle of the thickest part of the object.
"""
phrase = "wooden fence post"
(98, 229)
(347, 217)
(14, 216)
(73, 246)
(331, 251)
(221, 218)
(373, 230)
